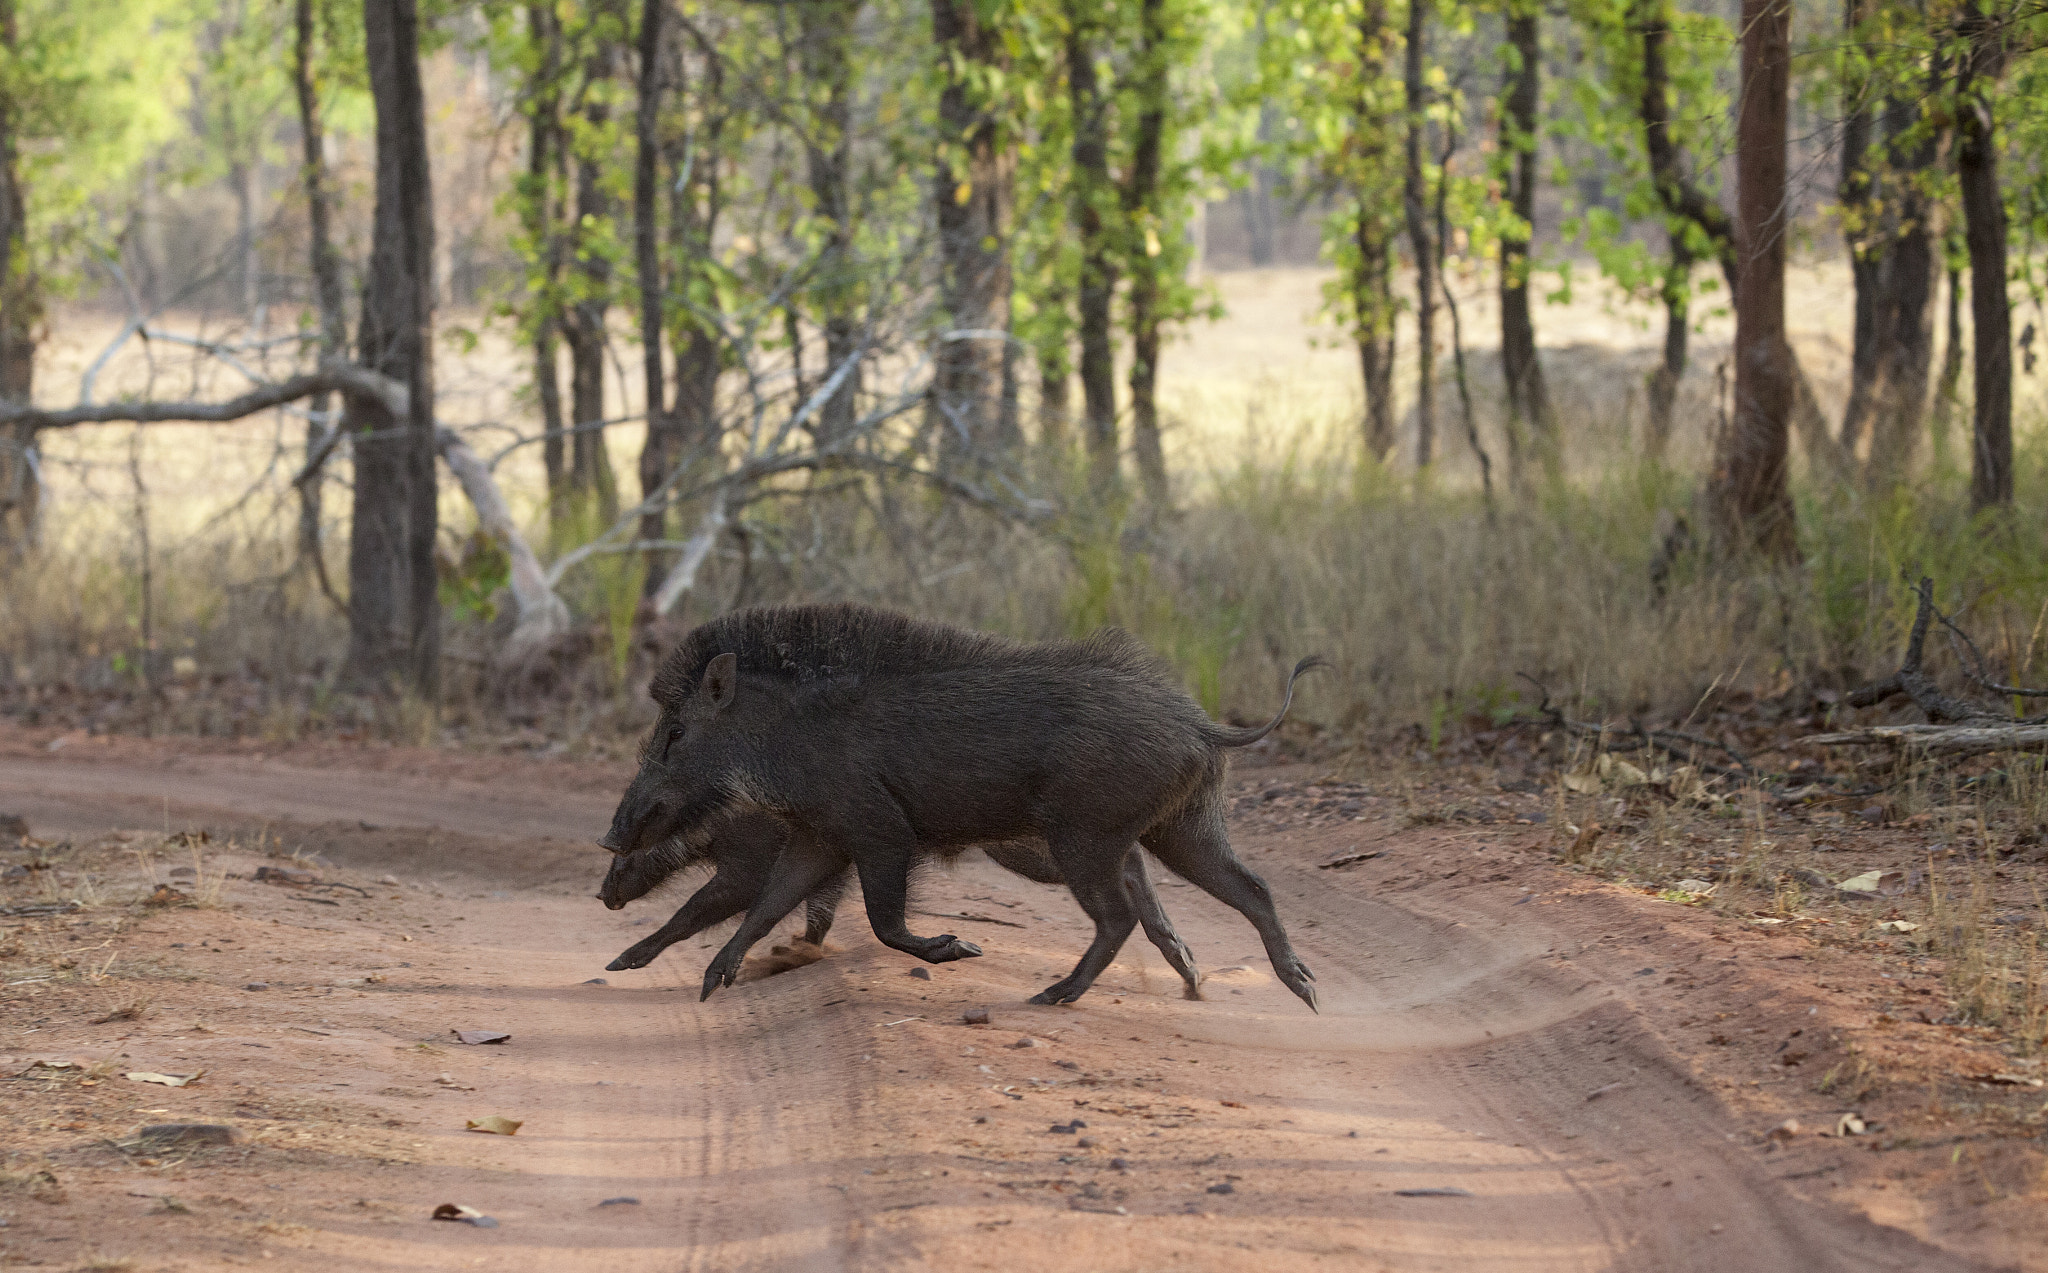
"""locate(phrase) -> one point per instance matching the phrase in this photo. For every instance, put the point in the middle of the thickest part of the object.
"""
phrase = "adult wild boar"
(742, 851)
(879, 738)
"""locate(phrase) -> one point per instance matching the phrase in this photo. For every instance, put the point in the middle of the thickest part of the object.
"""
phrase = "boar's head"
(692, 770)
(634, 875)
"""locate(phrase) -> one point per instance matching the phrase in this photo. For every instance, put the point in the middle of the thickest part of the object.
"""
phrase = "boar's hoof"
(635, 957)
(945, 948)
(1296, 977)
(1191, 990)
(723, 971)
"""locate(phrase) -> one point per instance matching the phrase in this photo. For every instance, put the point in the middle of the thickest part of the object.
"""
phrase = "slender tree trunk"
(1415, 206)
(1948, 393)
(544, 160)
(394, 613)
(587, 330)
(1984, 232)
(973, 202)
(1752, 500)
(1372, 271)
(826, 33)
(1904, 317)
(21, 316)
(1529, 413)
(1093, 197)
(658, 453)
(1866, 250)
(1142, 220)
(1670, 373)
(1055, 386)
(692, 163)
(327, 285)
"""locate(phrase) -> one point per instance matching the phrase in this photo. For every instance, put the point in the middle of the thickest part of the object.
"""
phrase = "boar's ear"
(722, 681)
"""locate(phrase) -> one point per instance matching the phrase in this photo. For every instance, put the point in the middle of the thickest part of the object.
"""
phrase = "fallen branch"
(1957, 727)
(1939, 740)
(1674, 743)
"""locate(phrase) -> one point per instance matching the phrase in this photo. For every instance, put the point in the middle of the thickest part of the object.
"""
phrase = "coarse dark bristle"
(815, 642)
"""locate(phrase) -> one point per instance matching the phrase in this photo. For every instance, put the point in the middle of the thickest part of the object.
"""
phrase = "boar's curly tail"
(1227, 736)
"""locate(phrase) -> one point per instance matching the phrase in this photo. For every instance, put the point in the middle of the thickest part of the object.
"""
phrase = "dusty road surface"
(1510, 1071)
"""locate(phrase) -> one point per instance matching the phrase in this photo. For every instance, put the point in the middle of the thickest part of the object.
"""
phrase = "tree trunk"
(1752, 501)
(1670, 374)
(394, 613)
(691, 163)
(1904, 317)
(327, 284)
(21, 315)
(1371, 284)
(1142, 220)
(1984, 233)
(1529, 413)
(544, 158)
(1415, 207)
(1093, 197)
(587, 330)
(1866, 250)
(974, 203)
(1055, 388)
(658, 453)
(825, 30)
(1947, 393)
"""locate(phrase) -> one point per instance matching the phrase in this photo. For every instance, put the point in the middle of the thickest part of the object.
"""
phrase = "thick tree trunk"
(1092, 204)
(327, 285)
(826, 33)
(1415, 207)
(1142, 219)
(1984, 232)
(1751, 498)
(394, 613)
(590, 467)
(1529, 413)
(692, 166)
(21, 316)
(973, 201)
(1371, 284)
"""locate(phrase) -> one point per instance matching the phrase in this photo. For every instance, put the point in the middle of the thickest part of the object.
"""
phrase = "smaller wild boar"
(882, 739)
(743, 849)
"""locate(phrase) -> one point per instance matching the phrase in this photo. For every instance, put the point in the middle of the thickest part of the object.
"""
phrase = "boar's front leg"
(1094, 867)
(802, 868)
(1138, 886)
(725, 895)
(882, 847)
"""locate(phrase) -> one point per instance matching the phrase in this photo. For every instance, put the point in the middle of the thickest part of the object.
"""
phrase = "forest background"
(418, 371)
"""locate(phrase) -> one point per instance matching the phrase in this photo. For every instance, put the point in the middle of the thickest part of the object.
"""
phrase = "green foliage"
(92, 88)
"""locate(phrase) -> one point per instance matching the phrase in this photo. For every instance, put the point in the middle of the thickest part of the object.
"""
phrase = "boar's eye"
(674, 736)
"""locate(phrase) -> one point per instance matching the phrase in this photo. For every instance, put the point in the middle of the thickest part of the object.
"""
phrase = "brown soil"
(1599, 1072)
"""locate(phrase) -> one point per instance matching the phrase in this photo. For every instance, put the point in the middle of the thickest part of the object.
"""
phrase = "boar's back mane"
(818, 642)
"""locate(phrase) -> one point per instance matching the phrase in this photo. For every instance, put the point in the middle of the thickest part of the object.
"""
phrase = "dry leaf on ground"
(464, 1215)
(168, 1080)
(495, 1125)
(481, 1036)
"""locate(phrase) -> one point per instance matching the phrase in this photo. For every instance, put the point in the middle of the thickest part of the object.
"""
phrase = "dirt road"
(1505, 1073)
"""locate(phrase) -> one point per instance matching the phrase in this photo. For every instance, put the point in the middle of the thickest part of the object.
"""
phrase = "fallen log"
(1939, 740)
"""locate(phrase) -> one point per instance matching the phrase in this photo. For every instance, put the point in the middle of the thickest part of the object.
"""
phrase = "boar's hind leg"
(1138, 886)
(1095, 873)
(800, 870)
(725, 895)
(1194, 844)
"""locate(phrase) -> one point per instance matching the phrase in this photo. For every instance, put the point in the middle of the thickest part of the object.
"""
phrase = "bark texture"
(394, 612)
(973, 191)
(1092, 192)
(1752, 500)
(1142, 219)
(21, 318)
(1415, 207)
(1529, 418)
(1984, 232)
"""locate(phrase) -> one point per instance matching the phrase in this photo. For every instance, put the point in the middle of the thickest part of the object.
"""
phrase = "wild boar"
(880, 738)
(742, 851)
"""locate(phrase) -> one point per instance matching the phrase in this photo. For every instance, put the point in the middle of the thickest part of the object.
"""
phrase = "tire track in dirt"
(840, 1117)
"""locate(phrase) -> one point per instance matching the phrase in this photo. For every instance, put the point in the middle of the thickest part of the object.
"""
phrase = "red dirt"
(1491, 1023)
